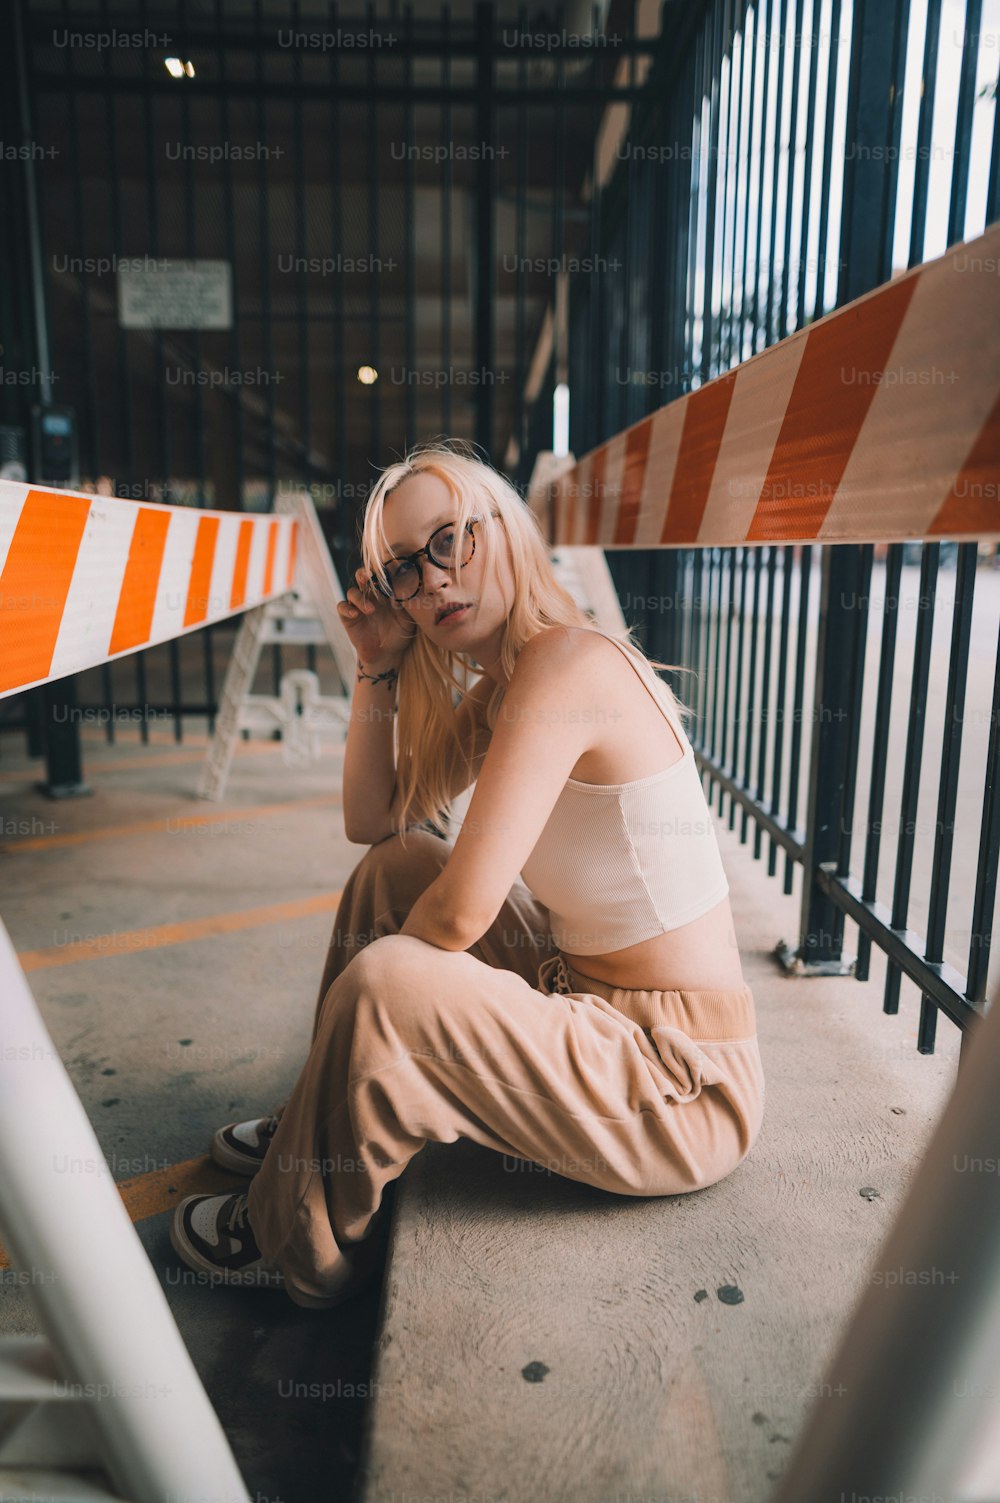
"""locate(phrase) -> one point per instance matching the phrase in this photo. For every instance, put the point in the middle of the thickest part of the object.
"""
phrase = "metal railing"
(788, 157)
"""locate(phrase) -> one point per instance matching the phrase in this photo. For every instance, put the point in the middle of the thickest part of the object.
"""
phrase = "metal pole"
(95, 1291)
(485, 190)
(33, 226)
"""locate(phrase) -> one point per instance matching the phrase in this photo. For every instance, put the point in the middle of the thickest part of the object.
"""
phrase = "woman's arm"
(369, 755)
(474, 737)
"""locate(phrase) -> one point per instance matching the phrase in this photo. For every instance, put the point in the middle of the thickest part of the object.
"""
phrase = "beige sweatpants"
(636, 1092)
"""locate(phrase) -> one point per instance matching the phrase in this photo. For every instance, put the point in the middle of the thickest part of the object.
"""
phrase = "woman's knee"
(394, 992)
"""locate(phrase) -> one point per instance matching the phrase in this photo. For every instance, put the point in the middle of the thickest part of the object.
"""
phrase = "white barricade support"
(115, 1379)
(308, 614)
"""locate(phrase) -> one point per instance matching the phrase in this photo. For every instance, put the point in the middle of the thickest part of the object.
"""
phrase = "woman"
(592, 1017)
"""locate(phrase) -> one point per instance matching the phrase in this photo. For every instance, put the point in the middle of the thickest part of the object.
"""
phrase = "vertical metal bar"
(878, 57)
(695, 656)
(798, 700)
(880, 745)
(858, 647)
(764, 111)
(690, 309)
(873, 116)
(409, 251)
(986, 866)
(912, 758)
(301, 246)
(715, 642)
(162, 405)
(123, 404)
(800, 307)
(781, 700)
(751, 28)
(709, 360)
(446, 237)
(34, 228)
(993, 183)
(951, 751)
(199, 410)
(733, 355)
(795, 64)
(776, 173)
(522, 209)
(728, 719)
(739, 686)
(373, 225)
(264, 231)
(599, 376)
(91, 435)
(819, 306)
(60, 725)
(267, 331)
(337, 236)
(767, 720)
(755, 554)
(925, 120)
(229, 219)
(963, 123)
(485, 190)
(722, 168)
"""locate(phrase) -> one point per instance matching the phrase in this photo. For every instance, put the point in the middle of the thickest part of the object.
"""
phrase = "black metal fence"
(481, 207)
(762, 227)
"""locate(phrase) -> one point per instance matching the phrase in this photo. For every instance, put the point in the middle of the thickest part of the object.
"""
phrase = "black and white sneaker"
(212, 1234)
(241, 1146)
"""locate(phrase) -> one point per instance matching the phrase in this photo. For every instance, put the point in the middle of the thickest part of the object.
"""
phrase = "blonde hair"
(428, 746)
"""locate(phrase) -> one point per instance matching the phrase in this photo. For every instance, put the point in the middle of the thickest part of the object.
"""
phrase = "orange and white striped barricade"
(87, 579)
(878, 422)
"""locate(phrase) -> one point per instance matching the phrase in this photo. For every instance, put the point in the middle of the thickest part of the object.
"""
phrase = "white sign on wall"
(176, 295)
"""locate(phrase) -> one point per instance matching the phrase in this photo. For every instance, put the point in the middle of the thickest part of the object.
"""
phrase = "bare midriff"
(700, 956)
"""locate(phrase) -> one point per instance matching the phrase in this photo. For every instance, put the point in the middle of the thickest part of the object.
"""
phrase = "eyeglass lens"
(404, 577)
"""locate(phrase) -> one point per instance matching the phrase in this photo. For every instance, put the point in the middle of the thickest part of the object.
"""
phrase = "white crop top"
(618, 863)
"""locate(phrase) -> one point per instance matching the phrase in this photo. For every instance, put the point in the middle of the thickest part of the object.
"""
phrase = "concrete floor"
(168, 1032)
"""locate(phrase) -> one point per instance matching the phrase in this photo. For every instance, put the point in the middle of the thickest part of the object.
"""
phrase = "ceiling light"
(367, 375)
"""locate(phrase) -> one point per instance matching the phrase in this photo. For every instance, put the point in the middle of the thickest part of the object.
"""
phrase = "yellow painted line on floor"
(159, 1190)
(171, 824)
(129, 941)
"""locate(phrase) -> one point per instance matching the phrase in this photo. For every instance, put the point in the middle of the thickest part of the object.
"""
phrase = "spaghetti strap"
(661, 693)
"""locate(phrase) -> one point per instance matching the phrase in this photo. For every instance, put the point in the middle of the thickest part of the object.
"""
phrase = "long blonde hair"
(428, 747)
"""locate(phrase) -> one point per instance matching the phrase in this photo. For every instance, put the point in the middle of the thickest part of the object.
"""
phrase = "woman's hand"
(379, 630)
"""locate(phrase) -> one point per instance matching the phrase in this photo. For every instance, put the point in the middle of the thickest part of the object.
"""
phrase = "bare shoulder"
(559, 644)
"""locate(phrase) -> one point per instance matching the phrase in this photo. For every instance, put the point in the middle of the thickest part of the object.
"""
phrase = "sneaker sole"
(193, 1259)
(228, 1157)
